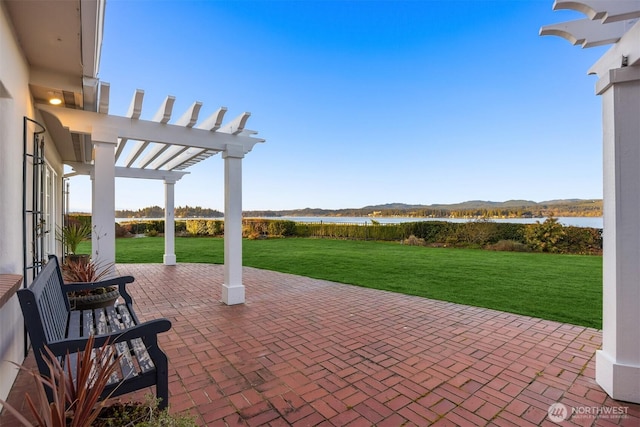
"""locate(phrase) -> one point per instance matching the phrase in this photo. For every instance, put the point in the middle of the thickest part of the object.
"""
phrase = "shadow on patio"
(310, 352)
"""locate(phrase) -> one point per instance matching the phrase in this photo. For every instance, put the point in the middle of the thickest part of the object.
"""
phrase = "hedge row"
(548, 236)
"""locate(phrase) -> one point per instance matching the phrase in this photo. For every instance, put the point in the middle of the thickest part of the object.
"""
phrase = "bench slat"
(100, 327)
(75, 321)
(87, 323)
(126, 362)
(144, 361)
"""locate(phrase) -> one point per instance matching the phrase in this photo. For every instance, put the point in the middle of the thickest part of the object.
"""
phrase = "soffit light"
(54, 98)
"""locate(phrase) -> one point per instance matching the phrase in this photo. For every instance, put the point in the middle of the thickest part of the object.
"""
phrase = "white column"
(233, 289)
(618, 363)
(169, 223)
(103, 212)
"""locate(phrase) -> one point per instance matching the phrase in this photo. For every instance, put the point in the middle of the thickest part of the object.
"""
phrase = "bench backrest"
(44, 306)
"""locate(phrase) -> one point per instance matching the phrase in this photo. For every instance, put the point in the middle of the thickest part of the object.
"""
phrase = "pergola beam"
(79, 121)
(122, 172)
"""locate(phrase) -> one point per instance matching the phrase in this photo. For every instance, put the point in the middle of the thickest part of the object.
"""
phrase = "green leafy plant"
(72, 234)
(141, 414)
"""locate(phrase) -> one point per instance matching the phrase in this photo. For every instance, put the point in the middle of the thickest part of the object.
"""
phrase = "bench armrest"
(120, 282)
(148, 331)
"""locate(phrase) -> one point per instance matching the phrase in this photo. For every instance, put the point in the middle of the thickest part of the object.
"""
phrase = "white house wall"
(15, 104)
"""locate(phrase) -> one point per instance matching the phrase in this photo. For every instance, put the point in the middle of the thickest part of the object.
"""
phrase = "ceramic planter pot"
(85, 302)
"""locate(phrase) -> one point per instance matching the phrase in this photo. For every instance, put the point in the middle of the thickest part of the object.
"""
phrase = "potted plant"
(71, 235)
(88, 271)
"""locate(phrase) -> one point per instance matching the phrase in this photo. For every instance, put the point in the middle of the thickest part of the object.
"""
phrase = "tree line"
(179, 212)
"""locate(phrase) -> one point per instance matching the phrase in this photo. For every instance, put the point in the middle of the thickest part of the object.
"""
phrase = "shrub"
(544, 236)
(134, 227)
(472, 234)
(509, 245)
(181, 226)
(82, 219)
(510, 231)
(254, 228)
(302, 230)
(215, 227)
(197, 227)
(414, 241)
(120, 231)
(158, 226)
(281, 228)
(583, 241)
(430, 231)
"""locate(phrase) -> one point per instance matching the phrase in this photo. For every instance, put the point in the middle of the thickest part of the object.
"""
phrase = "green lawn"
(566, 288)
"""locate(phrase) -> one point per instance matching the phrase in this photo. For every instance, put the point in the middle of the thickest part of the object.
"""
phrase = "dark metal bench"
(51, 323)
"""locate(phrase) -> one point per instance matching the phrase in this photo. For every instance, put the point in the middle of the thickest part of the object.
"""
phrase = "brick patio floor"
(308, 352)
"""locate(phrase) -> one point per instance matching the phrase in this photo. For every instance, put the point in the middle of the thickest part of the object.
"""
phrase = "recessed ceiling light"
(55, 101)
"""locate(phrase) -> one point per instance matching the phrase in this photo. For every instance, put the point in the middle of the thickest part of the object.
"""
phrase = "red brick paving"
(306, 352)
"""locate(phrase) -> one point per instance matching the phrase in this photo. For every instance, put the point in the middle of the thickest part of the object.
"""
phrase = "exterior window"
(49, 208)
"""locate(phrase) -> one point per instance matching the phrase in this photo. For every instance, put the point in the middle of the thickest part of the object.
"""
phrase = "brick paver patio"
(308, 352)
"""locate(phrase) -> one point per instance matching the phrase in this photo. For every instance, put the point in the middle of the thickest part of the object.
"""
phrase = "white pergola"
(618, 70)
(156, 149)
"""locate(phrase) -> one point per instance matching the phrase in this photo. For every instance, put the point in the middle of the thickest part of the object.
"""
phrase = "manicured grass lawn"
(565, 288)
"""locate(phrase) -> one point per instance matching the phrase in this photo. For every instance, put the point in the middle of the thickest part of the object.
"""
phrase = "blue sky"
(364, 102)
